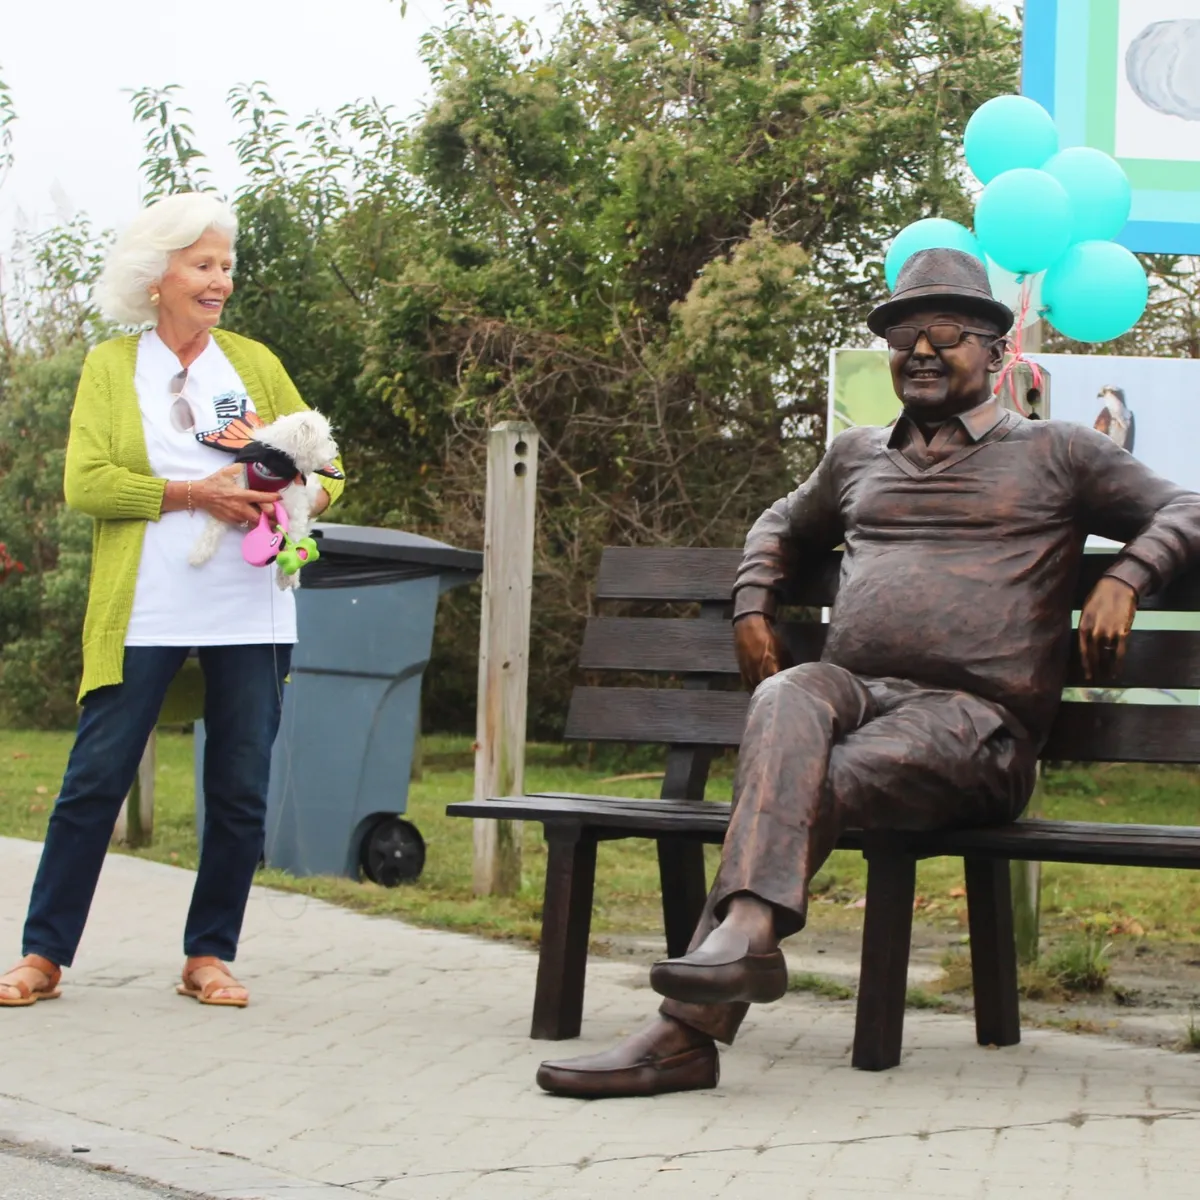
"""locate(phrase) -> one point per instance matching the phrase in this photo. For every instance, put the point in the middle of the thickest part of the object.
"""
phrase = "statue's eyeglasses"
(941, 334)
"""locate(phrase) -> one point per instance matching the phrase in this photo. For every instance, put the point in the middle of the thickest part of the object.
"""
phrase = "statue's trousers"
(825, 751)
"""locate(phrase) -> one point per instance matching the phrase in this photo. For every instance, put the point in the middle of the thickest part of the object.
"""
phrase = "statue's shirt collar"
(976, 423)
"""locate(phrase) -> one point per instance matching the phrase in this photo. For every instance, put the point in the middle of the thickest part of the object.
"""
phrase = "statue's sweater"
(962, 557)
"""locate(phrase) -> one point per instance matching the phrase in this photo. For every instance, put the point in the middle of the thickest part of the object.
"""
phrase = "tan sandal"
(206, 993)
(27, 995)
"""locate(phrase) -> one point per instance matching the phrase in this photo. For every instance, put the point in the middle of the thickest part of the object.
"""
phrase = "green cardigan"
(108, 477)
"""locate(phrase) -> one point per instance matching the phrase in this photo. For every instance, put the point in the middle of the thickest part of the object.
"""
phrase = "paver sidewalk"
(388, 1061)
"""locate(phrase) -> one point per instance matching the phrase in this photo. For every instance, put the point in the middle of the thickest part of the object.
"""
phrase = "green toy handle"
(295, 555)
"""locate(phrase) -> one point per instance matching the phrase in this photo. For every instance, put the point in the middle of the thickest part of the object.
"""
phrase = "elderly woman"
(135, 465)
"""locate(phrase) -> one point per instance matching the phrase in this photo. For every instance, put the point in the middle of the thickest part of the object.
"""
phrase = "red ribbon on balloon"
(1017, 354)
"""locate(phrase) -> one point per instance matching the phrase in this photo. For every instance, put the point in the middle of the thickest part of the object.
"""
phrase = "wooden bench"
(695, 714)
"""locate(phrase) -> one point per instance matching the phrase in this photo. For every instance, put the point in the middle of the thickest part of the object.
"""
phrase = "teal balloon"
(932, 233)
(1099, 189)
(1023, 220)
(1096, 291)
(1006, 133)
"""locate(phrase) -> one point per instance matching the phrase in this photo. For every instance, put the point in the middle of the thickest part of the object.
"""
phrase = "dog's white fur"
(306, 438)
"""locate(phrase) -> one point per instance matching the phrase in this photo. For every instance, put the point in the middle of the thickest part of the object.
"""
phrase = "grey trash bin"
(341, 763)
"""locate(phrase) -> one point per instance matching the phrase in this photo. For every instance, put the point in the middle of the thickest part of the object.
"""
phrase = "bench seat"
(1091, 842)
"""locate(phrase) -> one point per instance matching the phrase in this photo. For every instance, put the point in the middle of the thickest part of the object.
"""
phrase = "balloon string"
(1017, 355)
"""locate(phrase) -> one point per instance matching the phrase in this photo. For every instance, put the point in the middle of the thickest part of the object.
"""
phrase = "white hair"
(140, 256)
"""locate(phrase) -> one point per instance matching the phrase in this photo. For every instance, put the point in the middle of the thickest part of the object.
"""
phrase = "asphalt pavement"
(31, 1175)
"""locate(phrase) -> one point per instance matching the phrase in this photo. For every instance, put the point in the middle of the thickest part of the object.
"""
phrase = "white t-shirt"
(225, 602)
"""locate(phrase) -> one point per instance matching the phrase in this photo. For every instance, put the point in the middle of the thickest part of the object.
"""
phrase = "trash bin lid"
(362, 555)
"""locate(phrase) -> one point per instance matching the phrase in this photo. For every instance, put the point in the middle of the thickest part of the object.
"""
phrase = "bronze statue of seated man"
(963, 525)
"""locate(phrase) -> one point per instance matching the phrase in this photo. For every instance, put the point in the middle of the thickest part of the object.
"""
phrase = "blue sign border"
(1054, 73)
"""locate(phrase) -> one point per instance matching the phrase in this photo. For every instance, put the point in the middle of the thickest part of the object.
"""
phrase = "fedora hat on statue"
(950, 279)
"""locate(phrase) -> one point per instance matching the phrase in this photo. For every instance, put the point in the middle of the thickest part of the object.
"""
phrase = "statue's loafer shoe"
(631, 1071)
(722, 971)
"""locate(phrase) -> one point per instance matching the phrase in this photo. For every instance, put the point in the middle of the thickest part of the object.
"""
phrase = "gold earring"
(153, 297)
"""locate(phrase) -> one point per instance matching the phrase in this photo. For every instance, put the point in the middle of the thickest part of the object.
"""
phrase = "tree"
(41, 607)
(46, 323)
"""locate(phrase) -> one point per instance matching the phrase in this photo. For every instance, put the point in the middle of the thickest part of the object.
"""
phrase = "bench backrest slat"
(1168, 659)
(1148, 733)
(667, 573)
(657, 715)
(682, 573)
(1142, 733)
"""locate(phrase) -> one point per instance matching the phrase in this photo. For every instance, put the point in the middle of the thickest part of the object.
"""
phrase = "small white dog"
(283, 457)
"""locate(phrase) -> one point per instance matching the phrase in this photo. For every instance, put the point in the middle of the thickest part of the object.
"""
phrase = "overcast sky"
(70, 64)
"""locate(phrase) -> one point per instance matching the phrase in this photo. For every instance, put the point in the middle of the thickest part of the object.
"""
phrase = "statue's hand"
(1104, 628)
(760, 650)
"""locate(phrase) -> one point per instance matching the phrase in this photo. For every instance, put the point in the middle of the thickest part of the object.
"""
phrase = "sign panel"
(1123, 76)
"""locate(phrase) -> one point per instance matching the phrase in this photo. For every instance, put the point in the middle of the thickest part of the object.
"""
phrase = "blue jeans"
(243, 688)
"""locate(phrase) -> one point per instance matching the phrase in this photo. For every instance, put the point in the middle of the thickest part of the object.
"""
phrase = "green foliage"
(41, 608)
(916, 997)
(8, 118)
(819, 985)
(1081, 963)
(46, 306)
(1191, 1035)
(46, 323)
(173, 162)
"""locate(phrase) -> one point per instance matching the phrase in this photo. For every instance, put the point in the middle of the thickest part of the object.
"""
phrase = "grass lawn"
(1165, 905)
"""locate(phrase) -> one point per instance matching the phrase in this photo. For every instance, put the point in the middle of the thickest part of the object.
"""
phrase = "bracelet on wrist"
(190, 509)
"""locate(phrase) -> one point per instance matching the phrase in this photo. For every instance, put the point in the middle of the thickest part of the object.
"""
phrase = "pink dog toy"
(261, 546)
(270, 542)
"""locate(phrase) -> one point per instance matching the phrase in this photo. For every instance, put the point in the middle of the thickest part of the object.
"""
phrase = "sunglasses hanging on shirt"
(183, 418)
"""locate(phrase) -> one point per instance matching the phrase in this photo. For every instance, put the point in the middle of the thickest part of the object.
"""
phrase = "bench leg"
(993, 951)
(566, 922)
(883, 976)
(681, 870)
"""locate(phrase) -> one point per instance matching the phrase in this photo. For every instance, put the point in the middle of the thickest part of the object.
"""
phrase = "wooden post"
(416, 771)
(1027, 876)
(135, 822)
(1027, 909)
(504, 649)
